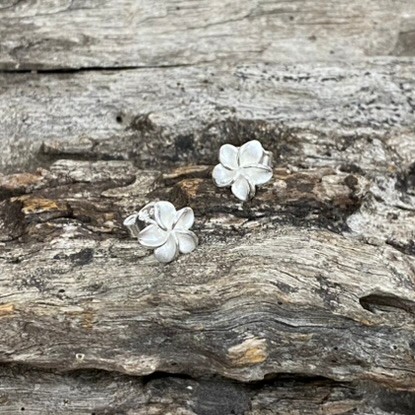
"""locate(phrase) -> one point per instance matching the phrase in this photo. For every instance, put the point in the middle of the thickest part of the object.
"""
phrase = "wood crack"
(92, 391)
(235, 305)
(58, 71)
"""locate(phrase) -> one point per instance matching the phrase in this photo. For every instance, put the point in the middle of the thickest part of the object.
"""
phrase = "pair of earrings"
(160, 227)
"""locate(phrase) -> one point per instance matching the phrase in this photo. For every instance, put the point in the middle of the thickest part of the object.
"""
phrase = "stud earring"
(243, 168)
(160, 227)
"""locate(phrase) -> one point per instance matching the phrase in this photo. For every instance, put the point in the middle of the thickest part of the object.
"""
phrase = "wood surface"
(56, 34)
(301, 301)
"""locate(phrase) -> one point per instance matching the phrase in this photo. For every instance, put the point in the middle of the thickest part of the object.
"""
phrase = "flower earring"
(166, 230)
(243, 168)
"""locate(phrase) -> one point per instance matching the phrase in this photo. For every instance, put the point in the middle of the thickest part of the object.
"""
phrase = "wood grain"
(354, 119)
(96, 392)
(86, 392)
(254, 300)
(141, 33)
(299, 302)
(310, 115)
(314, 277)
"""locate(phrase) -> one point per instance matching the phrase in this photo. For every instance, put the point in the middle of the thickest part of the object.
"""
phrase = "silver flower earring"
(243, 168)
(167, 231)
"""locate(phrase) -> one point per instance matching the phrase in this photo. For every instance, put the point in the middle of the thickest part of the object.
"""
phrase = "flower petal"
(228, 156)
(222, 176)
(168, 251)
(241, 189)
(165, 214)
(152, 236)
(257, 175)
(184, 218)
(250, 153)
(187, 241)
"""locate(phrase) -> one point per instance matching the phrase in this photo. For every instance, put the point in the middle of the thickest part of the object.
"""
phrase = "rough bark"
(95, 392)
(37, 392)
(310, 114)
(270, 290)
(129, 33)
(299, 302)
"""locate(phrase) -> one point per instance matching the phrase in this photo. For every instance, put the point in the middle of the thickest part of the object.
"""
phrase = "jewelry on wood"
(160, 227)
(243, 168)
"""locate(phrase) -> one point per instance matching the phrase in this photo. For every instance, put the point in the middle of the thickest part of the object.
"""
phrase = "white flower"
(167, 231)
(243, 168)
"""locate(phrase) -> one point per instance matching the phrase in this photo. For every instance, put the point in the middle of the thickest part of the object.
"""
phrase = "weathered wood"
(123, 33)
(359, 118)
(37, 392)
(249, 303)
(94, 392)
(314, 277)
(309, 115)
(269, 281)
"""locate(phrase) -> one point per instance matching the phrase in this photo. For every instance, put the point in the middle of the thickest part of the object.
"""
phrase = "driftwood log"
(301, 301)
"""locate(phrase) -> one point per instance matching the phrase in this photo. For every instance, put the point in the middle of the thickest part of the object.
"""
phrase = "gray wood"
(315, 276)
(138, 33)
(259, 297)
(358, 118)
(36, 392)
(322, 113)
(299, 302)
